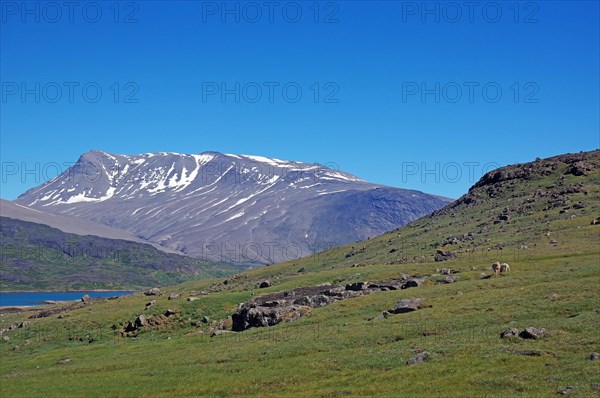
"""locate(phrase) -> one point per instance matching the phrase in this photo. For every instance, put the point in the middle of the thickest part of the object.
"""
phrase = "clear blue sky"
(371, 61)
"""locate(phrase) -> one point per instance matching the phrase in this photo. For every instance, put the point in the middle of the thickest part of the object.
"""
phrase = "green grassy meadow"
(347, 348)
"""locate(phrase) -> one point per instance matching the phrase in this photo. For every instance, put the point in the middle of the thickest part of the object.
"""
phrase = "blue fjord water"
(37, 298)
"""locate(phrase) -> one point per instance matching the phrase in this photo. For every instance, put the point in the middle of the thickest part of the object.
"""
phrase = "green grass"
(337, 350)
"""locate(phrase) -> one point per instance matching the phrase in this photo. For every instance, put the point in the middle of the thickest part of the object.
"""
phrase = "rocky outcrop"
(271, 309)
(274, 308)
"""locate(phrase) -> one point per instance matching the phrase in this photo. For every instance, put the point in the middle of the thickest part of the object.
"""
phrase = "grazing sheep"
(496, 268)
(504, 267)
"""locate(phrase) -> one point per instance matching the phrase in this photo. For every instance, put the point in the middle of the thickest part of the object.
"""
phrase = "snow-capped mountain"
(234, 208)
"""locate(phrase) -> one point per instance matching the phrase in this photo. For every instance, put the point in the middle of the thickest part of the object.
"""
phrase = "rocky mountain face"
(232, 208)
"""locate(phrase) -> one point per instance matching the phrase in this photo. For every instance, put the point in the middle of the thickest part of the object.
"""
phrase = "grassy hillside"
(37, 257)
(538, 217)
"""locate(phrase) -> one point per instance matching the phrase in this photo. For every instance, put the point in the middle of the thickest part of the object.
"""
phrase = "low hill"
(38, 257)
(69, 224)
(416, 312)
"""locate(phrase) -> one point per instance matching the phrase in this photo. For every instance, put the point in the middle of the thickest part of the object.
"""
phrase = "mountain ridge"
(198, 202)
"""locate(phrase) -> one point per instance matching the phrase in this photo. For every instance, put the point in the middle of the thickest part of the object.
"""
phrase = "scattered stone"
(384, 286)
(170, 312)
(86, 298)
(5, 338)
(594, 356)
(21, 325)
(150, 303)
(219, 332)
(510, 332)
(553, 242)
(264, 284)
(62, 316)
(152, 292)
(448, 279)
(444, 255)
(484, 276)
(193, 298)
(356, 286)
(595, 221)
(64, 361)
(407, 305)
(419, 358)
(567, 390)
(140, 321)
(412, 282)
(174, 296)
(532, 333)
(205, 319)
(446, 271)
(319, 300)
(580, 168)
(50, 302)
(301, 270)
(16, 348)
